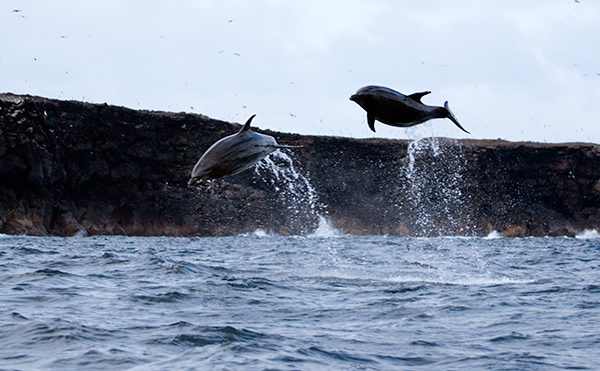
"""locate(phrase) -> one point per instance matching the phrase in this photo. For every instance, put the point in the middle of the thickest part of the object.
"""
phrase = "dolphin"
(234, 154)
(396, 109)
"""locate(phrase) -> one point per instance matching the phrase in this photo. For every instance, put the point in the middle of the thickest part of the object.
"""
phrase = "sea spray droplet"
(294, 188)
(434, 175)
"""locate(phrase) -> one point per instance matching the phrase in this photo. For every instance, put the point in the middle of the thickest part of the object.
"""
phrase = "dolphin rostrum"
(234, 154)
(396, 109)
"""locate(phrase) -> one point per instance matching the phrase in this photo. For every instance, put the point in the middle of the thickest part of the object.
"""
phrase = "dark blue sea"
(320, 302)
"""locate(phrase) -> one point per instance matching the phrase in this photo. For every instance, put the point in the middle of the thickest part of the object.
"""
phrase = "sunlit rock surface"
(72, 168)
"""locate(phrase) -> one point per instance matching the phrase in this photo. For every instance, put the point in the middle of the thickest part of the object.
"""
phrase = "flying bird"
(396, 109)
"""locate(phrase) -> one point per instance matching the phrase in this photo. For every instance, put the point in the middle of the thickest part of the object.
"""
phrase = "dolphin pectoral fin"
(453, 118)
(371, 121)
(247, 124)
(417, 96)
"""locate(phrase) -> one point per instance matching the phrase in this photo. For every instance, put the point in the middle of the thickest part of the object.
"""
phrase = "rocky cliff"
(76, 168)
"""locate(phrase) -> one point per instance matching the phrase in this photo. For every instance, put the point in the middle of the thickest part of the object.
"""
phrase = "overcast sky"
(510, 69)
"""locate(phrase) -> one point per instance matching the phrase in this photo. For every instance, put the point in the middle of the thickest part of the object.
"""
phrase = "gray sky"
(510, 69)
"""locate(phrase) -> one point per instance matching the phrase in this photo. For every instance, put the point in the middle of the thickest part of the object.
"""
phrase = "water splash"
(588, 234)
(260, 233)
(492, 235)
(293, 187)
(325, 229)
(434, 175)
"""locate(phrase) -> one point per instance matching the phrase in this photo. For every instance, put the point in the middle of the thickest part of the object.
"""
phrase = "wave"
(260, 233)
(324, 230)
(588, 234)
(462, 280)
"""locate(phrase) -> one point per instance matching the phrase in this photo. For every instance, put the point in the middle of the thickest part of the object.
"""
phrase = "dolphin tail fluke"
(247, 124)
(453, 118)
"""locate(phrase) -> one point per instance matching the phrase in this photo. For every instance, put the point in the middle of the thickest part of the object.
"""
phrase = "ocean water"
(322, 302)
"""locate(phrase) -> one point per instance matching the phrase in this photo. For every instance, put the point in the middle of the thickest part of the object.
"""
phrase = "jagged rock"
(76, 168)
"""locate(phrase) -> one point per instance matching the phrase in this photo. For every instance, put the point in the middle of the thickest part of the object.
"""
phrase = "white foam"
(440, 278)
(461, 279)
(588, 234)
(325, 229)
(493, 235)
(260, 233)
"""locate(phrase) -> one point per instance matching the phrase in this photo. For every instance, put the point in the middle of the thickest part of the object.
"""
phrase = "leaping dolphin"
(234, 154)
(396, 109)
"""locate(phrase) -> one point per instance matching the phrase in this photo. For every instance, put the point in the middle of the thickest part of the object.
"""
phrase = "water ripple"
(338, 302)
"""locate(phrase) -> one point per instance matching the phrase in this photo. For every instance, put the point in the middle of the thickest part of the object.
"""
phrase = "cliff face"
(71, 167)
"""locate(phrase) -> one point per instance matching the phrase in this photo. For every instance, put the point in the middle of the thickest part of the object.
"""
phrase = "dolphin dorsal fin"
(247, 124)
(417, 96)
